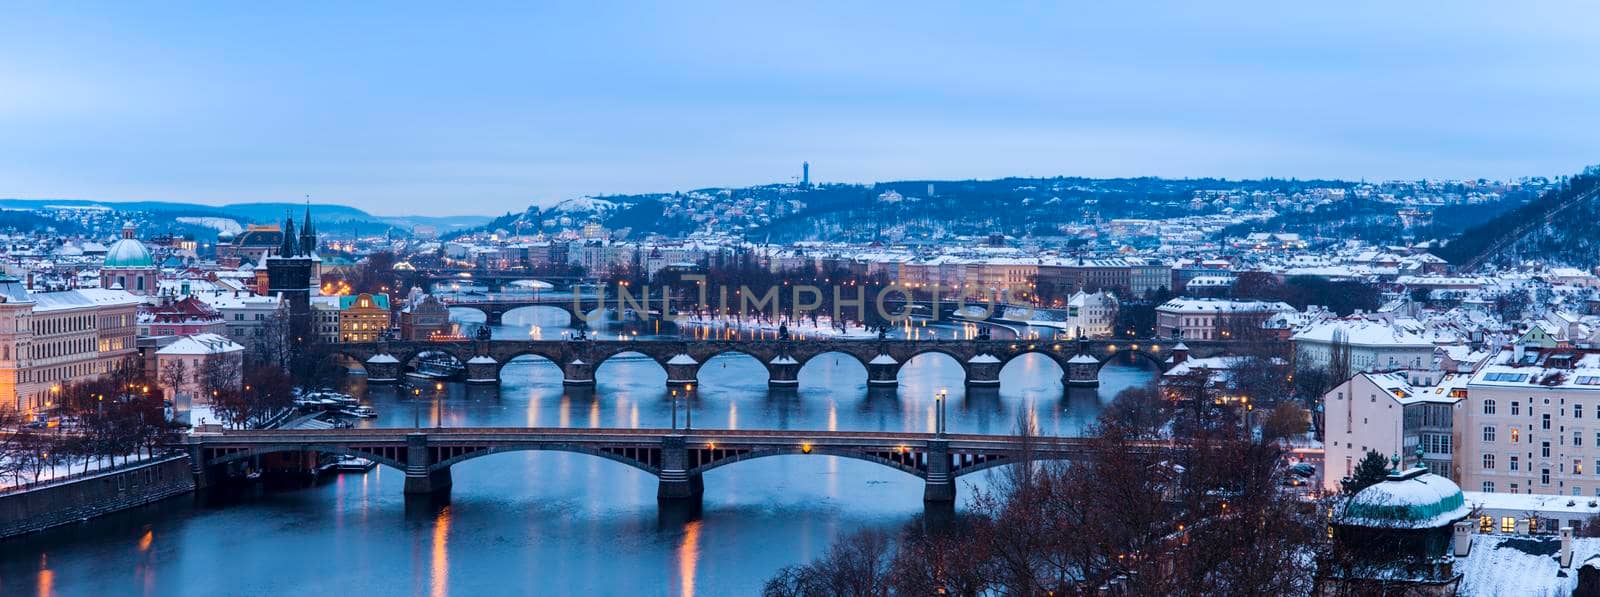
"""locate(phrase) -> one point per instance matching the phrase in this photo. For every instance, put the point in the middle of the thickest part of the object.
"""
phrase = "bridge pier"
(1083, 371)
(421, 478)
(783, 371)
(197, 465)
(677, 483)
(883, 371)
(483, 370)
(940, 487)
(682, 369)
(577, 373)
(493, 317)
(983, 371)
(382, 369)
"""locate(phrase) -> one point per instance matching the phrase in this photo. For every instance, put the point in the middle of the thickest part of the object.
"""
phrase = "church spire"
(308, 233)
(288, 247)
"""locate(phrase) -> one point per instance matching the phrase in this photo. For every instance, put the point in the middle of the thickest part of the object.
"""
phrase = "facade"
(1213, 319)
(1373, 346)
(246, 316)
(195, 356)
(325, 318)
(1386, 413)
(51, 339)
(1091, 314)
(182, 317)
(129, 266)
(423, 318)
(363, 317)
(250, 246)
(1532, 423)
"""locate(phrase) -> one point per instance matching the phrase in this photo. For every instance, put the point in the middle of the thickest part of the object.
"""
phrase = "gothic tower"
(289, 277)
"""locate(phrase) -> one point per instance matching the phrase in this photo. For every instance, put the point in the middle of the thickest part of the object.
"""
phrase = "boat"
(438, 367)
(353, 464)
(360, 412)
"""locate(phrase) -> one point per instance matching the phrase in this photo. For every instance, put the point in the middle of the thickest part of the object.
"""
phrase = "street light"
(938, 420)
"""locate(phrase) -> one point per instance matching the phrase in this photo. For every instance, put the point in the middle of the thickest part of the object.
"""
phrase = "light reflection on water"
(556, 523)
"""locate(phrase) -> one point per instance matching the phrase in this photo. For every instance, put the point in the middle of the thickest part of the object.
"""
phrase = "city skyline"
(415, 111)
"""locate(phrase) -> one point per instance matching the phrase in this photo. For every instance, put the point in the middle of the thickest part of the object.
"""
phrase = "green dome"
(129, 252)
(1413, 499)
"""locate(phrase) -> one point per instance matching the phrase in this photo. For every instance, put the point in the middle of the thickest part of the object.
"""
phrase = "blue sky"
(433, 108)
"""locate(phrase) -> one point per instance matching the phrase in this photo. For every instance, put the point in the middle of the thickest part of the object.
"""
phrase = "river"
(552, 523)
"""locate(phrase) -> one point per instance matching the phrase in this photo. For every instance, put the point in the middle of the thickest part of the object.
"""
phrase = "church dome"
(1413, 499)
(128, 252)
(225, 237)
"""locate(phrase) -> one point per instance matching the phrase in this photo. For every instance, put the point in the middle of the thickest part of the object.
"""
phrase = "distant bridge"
(981, 360)
(676, 457)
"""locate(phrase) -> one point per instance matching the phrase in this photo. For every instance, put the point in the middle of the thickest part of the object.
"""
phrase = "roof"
(201, 344)
(1413, 499)
(128, 252)
(82, 298)
(1522, 565)
(380, 301)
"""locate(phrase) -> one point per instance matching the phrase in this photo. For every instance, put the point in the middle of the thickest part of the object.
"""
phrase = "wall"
(65, 503)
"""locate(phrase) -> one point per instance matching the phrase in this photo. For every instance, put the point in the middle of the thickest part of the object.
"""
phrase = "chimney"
(1566, 547)
(1463, 537)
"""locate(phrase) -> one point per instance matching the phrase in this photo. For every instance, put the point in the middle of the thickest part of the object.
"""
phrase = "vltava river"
(551, 523)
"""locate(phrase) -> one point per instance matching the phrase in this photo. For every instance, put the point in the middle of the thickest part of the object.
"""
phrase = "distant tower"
(805, 175)
(289, 276)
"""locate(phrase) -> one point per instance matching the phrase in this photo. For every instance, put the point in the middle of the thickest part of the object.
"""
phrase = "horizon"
(419, 109)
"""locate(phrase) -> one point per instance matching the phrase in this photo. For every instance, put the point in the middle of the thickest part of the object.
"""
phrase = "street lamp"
(938, 419)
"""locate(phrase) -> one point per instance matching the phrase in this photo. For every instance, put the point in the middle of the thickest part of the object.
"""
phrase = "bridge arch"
(740, 357)
(1138, 350)
(639, 458)
(1055, 358)
(237, 455)
(852, 374)
(628, 355)
(543, 308)
(909, 466)
(534, 357)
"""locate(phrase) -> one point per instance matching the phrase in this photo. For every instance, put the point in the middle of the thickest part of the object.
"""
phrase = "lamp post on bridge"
(938, 416)
(674, 410)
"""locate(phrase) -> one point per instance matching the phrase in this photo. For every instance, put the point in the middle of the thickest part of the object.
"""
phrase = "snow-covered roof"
(481, 360)
(882, 359)
(984, 358)
(383, 358)
(1083, 358)
(783, 359)
(682, 359)
(1413, 499)
(200, 344)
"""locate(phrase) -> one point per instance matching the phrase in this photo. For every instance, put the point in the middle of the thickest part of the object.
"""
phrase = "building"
(51, 339)
(1532, 423)
(289, 274)
(247, 317)
(249, 246)
(363, 317)
(129, 265)
(1214, 319)
(424, 317)
(1091, 314)
(181, 317)
(185, 368)
(1372, 346)
(1388, 414)
(1401, 536)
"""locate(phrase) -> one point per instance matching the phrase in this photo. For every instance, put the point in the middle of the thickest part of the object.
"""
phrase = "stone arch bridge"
(981, 360)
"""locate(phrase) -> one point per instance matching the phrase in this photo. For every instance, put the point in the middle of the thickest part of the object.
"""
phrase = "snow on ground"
(227, 225)
(63, 470)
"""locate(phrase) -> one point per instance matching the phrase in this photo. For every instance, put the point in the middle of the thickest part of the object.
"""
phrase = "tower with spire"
(289, 278)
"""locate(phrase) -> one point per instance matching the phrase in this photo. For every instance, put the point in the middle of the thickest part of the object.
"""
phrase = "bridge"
(980, 360)
(677, 457)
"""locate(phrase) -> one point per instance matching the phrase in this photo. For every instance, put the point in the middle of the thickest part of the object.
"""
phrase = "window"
(1544, 476)
(1544, 421)
(1508, 524)
(1577, 438)
(1488, 487)
(1577, 466)
(1486, 522)
(1514, 461)
(1436, 443)
(1544, 449)
(1488, 407)
(1515, 433)
(1577, 411)
(1488, 461)
(1515, 409)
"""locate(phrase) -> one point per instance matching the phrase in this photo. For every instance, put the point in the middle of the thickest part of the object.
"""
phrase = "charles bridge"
(386, 361)
(677, 457)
